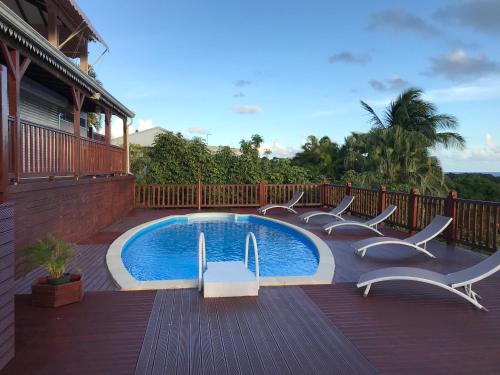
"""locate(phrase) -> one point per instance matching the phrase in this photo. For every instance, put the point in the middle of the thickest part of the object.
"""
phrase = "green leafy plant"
(51, 253)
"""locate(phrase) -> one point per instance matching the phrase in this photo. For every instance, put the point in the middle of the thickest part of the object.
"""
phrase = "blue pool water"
(169, 250)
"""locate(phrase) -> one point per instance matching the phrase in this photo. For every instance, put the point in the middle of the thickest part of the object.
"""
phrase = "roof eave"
(13, 27)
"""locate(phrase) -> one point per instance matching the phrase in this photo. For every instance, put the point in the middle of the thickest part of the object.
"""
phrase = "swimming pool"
(164, 253)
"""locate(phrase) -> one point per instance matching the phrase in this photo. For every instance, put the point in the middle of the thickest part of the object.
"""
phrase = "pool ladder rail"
(228, 278)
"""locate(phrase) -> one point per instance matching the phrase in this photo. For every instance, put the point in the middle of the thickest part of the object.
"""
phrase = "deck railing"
(475, 223)
(37, 150)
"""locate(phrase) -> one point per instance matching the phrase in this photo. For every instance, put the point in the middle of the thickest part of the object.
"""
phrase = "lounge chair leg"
(424, 250)
(360, 252)
(367, 290)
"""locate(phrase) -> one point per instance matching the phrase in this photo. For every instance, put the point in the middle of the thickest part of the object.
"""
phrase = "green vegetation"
(51, 253)
(175, 159)
(395, 152)
(478, 186)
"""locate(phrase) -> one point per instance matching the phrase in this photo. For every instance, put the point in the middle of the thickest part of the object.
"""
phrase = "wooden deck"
(399, 328)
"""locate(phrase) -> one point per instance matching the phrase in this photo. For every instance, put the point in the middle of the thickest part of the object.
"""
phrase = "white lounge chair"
(336, 212)
(369, 224)
(417, 241)
(297, 196)
(459, 282)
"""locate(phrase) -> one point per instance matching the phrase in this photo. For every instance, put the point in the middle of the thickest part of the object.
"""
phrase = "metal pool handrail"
(202, 259)
(256, 253)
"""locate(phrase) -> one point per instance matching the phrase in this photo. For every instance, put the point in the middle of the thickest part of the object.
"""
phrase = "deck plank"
(414, 328)
(252, 338)
(101, 335)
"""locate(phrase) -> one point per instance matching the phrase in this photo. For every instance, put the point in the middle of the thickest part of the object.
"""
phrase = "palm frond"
(451, 140)
(374, 120)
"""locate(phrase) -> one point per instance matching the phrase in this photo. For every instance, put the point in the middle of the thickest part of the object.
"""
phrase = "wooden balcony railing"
(475, 223)
(41, 151)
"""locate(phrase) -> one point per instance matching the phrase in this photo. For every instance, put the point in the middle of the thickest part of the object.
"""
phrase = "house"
(55, 175)
(145, 138)
(44, 47)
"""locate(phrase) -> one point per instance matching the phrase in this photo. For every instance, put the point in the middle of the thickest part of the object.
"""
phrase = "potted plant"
(59, 287)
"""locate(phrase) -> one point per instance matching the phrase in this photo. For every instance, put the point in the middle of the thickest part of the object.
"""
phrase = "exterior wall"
(72, 210)
(6, 283)
(43, 106)
(143, 138)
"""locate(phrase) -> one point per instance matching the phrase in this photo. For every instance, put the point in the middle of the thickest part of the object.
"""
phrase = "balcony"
(40, 151)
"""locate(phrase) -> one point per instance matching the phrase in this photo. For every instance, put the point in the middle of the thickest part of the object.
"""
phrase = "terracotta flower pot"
(45, 295)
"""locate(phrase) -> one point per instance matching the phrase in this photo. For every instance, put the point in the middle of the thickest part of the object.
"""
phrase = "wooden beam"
(42, 16)
(78, 98)
(23, 14)
(84, 57)
(125, 147)
(53, 27)
(107, 125)
(14, 94)
(4, 135)
(7, 57)
(24, 65)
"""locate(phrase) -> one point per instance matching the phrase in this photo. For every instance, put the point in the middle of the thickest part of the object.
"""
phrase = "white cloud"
(145, 125)
(395, 83)
(247, 109)
(198, 130)
(457, 65)
(482, 89)
(278, 150)
(117, 126)
(483, 158)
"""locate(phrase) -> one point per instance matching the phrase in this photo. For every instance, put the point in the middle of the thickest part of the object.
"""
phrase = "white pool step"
(229, 279)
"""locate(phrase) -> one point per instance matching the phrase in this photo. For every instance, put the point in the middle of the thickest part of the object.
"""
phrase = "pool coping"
(323, 275)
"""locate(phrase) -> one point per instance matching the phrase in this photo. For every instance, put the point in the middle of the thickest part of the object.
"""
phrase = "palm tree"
(412, 113)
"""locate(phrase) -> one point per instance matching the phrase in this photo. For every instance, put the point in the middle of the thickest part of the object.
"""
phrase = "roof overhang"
(17, 33)
(72, 8)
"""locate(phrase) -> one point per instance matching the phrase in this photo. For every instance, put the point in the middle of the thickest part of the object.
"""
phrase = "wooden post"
(348, 187)
(16, 69)
(450, 210)
(198, 196)
(84, 57)
(322, 194)
(381, 199)
(4, 135)
(53, 26)
(107, 126)
(78, 98)
(262, 194)
(126, 164)
(413, 210)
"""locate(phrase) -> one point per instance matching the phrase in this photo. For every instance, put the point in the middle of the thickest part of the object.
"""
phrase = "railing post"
(381, 199)
(450, 210)
(322, 194)
(262, 194)
(198, 197)
(413, 210)
(348, 187)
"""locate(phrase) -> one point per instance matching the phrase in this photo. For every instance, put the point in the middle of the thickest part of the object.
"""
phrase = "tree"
(412, 113)
(320, 157)
(174, 159)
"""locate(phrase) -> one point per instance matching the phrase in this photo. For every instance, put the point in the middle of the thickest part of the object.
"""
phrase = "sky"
(290, 69)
